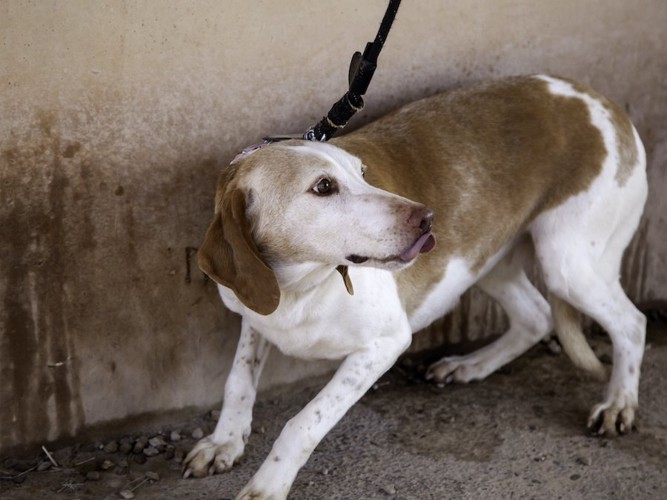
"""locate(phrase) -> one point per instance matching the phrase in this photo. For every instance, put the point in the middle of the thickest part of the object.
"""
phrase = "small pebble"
(151, 451)
(111, 447)
(157, 442)
(140, 459)
(140, 444)
(93, 475)
(127, 494)
(554, 347)
(574, 477)
(18, 479)
(388, 489)
(153, 476)
(107, 464)
(582, 460)
(175, 436)
(44, 466)
(169, 452)
(198, 433)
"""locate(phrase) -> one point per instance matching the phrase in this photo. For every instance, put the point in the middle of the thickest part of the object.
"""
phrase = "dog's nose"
(422, 218)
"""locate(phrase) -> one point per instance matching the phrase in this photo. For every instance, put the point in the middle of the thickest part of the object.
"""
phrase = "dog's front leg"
(218, 452)
(358, 372)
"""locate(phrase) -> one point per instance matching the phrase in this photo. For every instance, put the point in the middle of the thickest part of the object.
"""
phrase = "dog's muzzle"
(422, 219)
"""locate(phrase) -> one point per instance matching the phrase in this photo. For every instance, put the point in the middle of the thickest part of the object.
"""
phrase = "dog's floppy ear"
(230, 257)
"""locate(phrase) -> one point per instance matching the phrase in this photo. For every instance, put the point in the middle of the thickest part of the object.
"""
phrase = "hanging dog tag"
(346, 279)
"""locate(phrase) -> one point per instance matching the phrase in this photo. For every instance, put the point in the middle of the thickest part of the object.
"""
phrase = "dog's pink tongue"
(425, 243)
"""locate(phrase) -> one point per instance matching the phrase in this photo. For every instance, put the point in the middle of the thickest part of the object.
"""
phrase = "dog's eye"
(363, 170)
(324, 187)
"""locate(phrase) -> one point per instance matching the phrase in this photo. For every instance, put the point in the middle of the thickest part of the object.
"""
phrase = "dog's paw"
(612, 418)
(209, 457)
(252, 492)
(455, 369)
(255, 495)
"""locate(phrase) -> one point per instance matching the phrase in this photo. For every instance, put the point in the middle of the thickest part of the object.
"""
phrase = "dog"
(316, 246)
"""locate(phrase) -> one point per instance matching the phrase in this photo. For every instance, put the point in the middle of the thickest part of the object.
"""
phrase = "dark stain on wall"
(97, 321)
(40, 389)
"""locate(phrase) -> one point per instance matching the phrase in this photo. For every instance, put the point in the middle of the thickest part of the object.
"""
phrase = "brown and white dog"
(523, 168)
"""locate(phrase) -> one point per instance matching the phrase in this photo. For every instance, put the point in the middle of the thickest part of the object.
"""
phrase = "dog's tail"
(567, 323)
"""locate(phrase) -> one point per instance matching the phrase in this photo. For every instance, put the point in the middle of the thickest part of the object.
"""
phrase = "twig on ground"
(48, 455)
(84, 461)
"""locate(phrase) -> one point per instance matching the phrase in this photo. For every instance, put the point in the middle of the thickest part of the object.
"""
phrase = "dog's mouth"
(424, 244)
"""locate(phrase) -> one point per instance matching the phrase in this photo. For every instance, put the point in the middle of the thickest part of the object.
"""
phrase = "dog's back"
(488, 159)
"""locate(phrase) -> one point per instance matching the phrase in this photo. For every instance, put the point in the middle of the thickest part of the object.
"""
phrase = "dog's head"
(300, 202)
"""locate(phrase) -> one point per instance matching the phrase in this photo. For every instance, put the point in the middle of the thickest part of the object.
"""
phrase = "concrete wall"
(116, 116)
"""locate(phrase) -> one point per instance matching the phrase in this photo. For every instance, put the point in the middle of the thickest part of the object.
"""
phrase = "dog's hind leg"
(529, 316)
(586, 289)
(580, 254)
(217, 452)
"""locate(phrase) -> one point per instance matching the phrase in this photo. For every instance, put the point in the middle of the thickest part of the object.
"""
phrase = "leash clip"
(360, 73)
(269, 139)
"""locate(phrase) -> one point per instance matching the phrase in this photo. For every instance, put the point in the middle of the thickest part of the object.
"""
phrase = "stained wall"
(116, 116)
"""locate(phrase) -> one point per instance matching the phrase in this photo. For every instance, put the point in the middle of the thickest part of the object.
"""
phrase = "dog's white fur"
(577, 236)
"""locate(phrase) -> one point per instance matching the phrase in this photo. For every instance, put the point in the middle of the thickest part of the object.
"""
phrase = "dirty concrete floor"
(518, 434)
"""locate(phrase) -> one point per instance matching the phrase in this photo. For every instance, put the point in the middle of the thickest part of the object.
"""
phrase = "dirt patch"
(518, 434)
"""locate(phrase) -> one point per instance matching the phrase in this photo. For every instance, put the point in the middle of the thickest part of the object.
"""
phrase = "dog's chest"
(327, 322)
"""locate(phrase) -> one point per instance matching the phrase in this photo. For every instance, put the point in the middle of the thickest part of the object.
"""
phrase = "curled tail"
(567, 323)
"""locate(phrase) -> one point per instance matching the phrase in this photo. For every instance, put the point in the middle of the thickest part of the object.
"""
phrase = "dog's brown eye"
(324, 187)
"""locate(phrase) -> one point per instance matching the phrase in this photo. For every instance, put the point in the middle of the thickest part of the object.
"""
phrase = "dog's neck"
(302, 277)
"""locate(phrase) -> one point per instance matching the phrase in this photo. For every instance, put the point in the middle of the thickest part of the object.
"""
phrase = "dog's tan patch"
(625, 139)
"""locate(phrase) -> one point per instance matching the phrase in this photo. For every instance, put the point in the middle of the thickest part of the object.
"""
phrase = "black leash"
(360, 74)
(362, 68)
